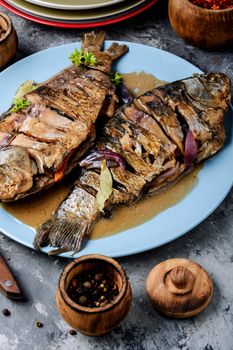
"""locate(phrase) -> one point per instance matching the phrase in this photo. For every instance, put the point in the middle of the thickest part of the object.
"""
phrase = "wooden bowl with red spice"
(94, 295)
(203, 27)
(8, 40)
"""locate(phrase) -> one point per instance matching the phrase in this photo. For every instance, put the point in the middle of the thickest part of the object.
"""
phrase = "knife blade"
(8, 284)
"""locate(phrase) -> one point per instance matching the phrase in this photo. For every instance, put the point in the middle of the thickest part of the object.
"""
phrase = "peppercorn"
(72, 332)
(6, 312)
(87, 284)
(39, 324)
(82, 300)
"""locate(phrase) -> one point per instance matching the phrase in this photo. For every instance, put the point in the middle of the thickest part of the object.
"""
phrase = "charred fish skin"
(58, 124)
(160, 136)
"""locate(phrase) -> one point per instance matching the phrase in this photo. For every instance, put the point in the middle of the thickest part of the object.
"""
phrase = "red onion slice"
(123, 94)
(103, 154)
(190, 150)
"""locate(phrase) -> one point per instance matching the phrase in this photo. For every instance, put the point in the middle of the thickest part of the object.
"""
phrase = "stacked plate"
(77, 13)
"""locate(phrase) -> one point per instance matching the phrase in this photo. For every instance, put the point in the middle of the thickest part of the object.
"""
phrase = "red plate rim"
(77, 25)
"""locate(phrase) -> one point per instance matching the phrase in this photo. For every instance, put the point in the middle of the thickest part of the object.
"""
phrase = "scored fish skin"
(154, 106)
(58, 123)
(154, 158)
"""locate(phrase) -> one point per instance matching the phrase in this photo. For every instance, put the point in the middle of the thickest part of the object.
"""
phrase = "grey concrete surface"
(210, 244)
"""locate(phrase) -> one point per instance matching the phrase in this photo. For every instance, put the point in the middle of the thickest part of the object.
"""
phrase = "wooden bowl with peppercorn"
(94, 295)
(8, 40)
(210, 26)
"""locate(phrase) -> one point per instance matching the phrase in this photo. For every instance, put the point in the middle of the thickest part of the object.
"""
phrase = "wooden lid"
(179, 288)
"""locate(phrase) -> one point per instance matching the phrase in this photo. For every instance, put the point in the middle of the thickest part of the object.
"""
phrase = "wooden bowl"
(99, 320)
(8, 40)
(201, 27)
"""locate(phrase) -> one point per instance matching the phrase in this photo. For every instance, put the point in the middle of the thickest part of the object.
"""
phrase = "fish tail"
(65, 234)
(93, 40)
(116, 50)
(42, 238)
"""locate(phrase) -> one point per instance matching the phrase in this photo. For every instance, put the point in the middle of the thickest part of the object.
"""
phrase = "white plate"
(214, 180)
(74, 4)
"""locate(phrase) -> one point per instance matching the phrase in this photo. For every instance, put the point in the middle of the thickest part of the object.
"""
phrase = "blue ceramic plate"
(214, 180)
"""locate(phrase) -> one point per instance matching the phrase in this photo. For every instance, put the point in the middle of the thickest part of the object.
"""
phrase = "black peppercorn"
(6, 312)
(39, 324)
(72, 332)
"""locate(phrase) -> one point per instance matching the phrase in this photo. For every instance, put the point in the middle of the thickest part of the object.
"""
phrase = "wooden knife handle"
(8, 285)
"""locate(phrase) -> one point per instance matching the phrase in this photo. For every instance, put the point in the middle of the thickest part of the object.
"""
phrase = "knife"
(8, 285)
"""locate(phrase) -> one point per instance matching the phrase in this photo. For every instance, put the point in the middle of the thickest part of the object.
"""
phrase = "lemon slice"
(26, 87)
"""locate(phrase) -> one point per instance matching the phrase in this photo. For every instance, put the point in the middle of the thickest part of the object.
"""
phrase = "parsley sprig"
(116, 78)
(79, 57)
(20, 104)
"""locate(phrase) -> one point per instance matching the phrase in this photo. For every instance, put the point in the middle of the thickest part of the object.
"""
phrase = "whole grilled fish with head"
(159, 137)
(58, 124)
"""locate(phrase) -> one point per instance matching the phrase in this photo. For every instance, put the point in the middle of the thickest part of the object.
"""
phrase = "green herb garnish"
(76, 57)
(89, 59)
(84, 58)
(19, 101)
(20, 104)
(116, 78)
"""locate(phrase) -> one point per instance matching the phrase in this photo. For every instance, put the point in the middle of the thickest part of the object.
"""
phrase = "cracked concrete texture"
(210, 244)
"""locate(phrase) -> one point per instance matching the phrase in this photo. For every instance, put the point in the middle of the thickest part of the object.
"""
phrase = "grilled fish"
(58, 124)
(148, 145)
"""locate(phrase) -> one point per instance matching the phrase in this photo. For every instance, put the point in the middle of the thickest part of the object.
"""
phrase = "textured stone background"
(210, 244)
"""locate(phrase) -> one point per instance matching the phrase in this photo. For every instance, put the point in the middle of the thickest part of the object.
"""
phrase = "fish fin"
(65, 234)
(58, 251)
(42, 238)
(93, 41)
(116, 50)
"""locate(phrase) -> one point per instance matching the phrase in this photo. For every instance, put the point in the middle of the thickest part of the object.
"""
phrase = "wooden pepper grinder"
(8, 40)
(179, 288)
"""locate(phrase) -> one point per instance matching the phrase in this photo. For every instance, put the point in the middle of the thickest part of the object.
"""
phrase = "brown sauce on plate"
(38, 208)
(124, 218)
(139, 83)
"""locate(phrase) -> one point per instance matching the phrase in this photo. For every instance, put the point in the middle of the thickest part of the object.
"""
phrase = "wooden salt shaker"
(8, 40)
(179, 288)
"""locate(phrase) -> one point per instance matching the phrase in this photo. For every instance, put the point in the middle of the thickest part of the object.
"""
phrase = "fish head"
(209, 90)
(16, 172)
